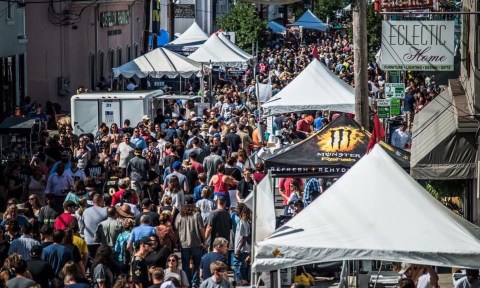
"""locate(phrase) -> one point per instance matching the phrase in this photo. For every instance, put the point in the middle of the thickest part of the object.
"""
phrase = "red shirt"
(302, 125)
(63, 221)
(285, 186)
(258, 176)
(198, 167)
(117, 197)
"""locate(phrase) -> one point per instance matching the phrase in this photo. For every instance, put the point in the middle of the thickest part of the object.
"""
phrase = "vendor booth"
(376, 211)
(309, 21)
(330, 152)
(315, 88)
(189, 41)
(17, 138)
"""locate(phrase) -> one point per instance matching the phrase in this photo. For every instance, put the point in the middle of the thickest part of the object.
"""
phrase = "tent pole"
(254, 231)
(180, 85)
(202, 86)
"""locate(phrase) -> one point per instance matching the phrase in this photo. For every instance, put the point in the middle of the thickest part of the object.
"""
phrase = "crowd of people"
(160, 203)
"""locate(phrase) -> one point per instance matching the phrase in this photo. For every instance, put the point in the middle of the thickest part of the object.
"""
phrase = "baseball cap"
(36, 251)
(146, 202)
(220, 118)
(176, 165)
(145, 117)
(181, 123)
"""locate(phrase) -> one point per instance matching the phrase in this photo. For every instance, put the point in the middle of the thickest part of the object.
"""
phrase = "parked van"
(91, 109)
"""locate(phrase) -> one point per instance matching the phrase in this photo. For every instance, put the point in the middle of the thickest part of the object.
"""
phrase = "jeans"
(240, 267)
(196, 254)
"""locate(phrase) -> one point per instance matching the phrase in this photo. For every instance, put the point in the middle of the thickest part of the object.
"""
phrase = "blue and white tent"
(276, 28)
(310, 21)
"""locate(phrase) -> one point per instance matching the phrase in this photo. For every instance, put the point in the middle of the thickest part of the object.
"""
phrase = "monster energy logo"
(337, 138)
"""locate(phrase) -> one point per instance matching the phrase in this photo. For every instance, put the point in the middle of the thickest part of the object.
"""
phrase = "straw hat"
(125, 211)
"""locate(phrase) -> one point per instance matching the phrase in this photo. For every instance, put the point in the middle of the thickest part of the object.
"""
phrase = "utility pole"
(285, 15)
(171, 19)
(360, 62)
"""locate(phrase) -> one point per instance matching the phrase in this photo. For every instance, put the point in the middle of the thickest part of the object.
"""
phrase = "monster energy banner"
(329, 153)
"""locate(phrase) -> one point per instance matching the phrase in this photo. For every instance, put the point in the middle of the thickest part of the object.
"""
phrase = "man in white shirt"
(401, 137)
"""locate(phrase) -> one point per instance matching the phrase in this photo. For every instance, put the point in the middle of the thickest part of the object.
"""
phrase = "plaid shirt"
(313, 184)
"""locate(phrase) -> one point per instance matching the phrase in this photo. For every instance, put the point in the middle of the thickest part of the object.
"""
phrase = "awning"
(443, 140)
(18, 125)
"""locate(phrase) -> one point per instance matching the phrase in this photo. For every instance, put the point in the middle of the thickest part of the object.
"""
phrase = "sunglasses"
(172, 260)
(31, 198)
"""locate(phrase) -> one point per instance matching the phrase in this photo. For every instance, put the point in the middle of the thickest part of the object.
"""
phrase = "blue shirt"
(409, 103)
(138, 142)
(54, 167)
(57, 255)
(144, 230)
(197, 192)
(22, 246)
(21, 220)
(318, 123)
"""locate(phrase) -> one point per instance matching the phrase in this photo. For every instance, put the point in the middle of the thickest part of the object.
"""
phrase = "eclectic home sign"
(417, 45)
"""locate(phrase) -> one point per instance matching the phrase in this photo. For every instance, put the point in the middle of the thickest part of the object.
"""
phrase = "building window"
(135, 48)
(91, 64)
(111, 59)
(101, 64)
(10, 13)
(119, 56)
(129, 53)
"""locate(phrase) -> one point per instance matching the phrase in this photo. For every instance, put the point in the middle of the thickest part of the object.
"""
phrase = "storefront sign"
(394, 90)
(184, 11)
(418, 45)
(395, 107)
(406, 4)
(383, 108)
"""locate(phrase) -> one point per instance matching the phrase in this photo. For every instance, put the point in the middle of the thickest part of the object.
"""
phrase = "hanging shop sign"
(184, 11)
(395, 90)
(383, 108)
(418, 45)
(405, 4)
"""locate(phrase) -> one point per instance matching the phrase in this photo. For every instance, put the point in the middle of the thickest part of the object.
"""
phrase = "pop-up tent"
(309, 21)
(316, 88)
(189, 41)
(376, 211)
(158, 63)
(216, 51)
(276, 28)
(330, 152)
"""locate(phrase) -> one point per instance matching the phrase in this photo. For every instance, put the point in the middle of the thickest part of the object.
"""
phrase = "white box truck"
(90, 109)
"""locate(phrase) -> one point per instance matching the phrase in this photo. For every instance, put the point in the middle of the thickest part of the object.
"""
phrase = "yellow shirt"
(81, 244)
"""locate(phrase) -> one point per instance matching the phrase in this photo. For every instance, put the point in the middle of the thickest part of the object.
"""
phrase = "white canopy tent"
(219, 53)
(316, 88)
(158, 63)
(188, 41)
(233, 46)
(376, 211)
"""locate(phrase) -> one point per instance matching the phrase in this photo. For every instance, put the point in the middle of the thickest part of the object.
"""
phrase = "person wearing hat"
(145, 119)
(65, 219)
(41, 271)
(303, 127)
(147, 209)
(24, 243)
(137, 170)
(75, 172)
(125, 211)
(470, 280)
(139, 267)
(177, 166)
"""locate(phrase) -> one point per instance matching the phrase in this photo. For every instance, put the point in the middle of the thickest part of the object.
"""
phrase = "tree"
(326, 9)
(246, 23)
(374, 32)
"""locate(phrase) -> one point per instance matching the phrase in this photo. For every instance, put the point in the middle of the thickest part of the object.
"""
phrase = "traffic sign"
(394, 90)
(395, 107)
(383, 108)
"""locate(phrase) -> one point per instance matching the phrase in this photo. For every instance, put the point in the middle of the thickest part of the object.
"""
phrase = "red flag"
(377, 134)
(315, 52)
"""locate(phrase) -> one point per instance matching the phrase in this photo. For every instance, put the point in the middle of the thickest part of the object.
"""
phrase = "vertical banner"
(156, 8)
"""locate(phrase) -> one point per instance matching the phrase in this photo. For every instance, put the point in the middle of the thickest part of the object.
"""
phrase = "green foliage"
(246, 23)
(374, 32)
(446, 188)
(327, 8)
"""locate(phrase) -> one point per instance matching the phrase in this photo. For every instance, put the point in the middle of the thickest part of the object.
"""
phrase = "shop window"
(129, 53)
(91, 64)
(111, 59)
(119, 56)
(101, 64)
(135, 47)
